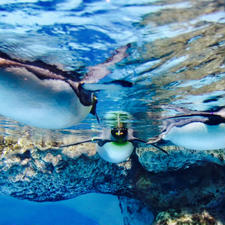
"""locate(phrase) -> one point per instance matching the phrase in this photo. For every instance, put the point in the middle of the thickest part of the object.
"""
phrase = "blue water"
(76, 34)
(90, 209)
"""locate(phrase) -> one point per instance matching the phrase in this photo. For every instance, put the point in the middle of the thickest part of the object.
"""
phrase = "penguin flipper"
(101, 70)
(101, 142)
(153, 144)
(81, 142)
(155, 140)
(133, 140)
(38, 68)
(159, 148)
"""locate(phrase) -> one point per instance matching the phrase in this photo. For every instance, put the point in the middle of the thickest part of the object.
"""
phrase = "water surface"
(176, 55)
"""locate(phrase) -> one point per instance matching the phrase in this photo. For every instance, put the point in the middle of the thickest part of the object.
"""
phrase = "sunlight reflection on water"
(171, 59)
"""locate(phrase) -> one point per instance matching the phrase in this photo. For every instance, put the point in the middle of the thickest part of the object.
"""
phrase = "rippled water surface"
(176, 54)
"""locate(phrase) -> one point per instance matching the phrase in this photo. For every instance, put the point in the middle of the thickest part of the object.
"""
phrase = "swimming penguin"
(42, 95)
(116, 144)
(197, 130)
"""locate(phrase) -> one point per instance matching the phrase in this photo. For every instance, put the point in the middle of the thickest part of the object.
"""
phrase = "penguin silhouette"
(42, 95)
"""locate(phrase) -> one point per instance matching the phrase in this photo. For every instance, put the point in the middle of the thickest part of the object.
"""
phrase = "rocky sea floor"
(183, 187)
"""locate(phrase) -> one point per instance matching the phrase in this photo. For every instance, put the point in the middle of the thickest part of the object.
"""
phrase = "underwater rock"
(177, 158)
(173, 217)
(41, 171)
(135, 213)
(31, 170)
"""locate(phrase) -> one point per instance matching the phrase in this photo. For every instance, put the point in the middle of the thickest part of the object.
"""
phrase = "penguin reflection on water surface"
(197, 130)
(41, 95)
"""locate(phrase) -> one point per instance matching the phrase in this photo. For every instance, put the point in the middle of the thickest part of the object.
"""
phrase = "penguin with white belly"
(115, 145)
(197, 130)
(42, 95)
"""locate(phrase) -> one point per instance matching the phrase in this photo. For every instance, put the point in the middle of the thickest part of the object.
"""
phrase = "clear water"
(172, 58)
(81, 210)
(176, 54)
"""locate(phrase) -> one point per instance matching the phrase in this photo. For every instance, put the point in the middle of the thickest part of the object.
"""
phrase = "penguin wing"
(101, 142)
(97, 140)
(135, 140)
(38, 68)
(101, 70)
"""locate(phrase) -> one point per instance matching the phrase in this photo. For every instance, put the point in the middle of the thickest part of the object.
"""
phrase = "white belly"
(115, 153)
(41, 103)
(198, 136)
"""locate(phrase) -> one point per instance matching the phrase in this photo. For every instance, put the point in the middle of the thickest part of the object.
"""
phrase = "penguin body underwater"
(41, 95)
(196, 130)
(115, 145)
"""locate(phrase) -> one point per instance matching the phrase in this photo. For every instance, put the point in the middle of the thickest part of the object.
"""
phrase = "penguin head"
(120, 134)
(87, 98)
(94, 102)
